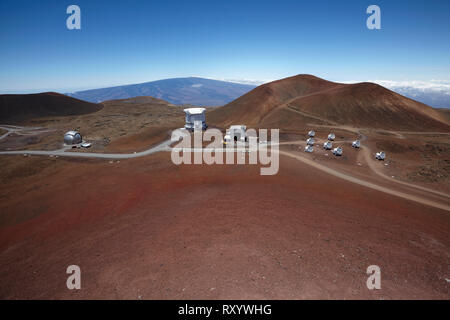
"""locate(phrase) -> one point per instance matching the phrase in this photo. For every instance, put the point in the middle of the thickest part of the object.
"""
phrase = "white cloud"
(432, 85)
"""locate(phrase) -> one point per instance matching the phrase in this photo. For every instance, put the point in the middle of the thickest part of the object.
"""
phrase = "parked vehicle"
(331, 136)
(311, 133)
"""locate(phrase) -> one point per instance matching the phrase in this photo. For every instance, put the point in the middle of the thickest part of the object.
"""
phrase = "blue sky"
(122, 42)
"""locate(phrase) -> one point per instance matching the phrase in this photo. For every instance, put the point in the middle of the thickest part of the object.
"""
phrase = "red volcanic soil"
(147, 229)
(140, 141)
(445, 113)
(16, 108)
(289, 102)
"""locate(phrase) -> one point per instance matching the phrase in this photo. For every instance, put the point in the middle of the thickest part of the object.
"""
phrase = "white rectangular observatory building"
(195, 119)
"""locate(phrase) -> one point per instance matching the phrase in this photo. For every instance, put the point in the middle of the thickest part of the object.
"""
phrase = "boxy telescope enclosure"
(72, 137)
(236, 133)
(195, 119)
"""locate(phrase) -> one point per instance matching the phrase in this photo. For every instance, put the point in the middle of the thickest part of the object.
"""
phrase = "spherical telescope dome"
(72, 137)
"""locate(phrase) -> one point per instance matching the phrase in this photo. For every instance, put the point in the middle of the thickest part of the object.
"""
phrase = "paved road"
(5, 135)
(164, 146)
(9, 130)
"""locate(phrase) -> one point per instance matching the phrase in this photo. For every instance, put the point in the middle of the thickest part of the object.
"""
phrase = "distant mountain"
(293, 102)
(15, 108)
(195, 91)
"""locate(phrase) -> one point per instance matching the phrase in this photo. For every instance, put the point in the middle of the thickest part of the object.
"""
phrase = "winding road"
(164, 146)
